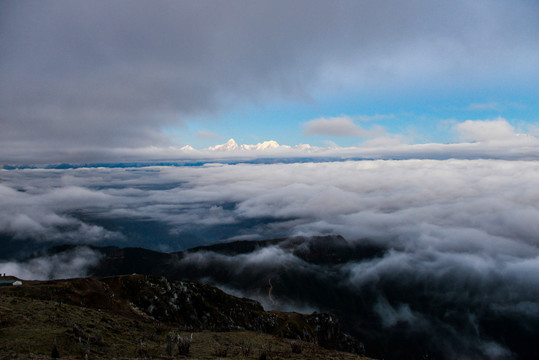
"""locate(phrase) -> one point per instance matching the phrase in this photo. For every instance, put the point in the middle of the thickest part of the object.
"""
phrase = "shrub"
(170, 348)
(142, 349)
(296, 347)
(183, 345)
(221, 351)
(266, 352)
(245, 348)
(55, 354)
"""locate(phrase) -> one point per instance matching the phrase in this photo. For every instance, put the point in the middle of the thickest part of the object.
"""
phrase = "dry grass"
(29, 328)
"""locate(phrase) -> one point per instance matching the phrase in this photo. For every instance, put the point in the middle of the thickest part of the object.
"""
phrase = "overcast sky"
(79, 77)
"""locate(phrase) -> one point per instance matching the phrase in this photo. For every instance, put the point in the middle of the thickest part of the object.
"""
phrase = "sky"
(97, 81)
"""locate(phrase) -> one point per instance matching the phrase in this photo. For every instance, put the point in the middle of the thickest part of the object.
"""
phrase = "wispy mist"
(68, 264)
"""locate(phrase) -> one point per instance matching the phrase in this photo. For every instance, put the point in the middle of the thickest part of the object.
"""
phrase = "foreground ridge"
(132, 315)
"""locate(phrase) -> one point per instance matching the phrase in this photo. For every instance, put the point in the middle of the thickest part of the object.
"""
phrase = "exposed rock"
(188, 306)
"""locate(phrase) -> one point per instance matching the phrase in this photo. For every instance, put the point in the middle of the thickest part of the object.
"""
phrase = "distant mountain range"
(396, 318)
(231, 145)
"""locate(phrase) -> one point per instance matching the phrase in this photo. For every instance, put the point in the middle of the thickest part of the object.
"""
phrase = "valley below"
(358, 296)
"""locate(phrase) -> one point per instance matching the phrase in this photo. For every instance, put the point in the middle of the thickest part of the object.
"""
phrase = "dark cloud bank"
(453, 270)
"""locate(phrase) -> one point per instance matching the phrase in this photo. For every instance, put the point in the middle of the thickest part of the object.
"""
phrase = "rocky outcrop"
(196, 306)
(190, 306)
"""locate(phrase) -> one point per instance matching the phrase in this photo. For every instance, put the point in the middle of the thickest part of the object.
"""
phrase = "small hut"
(7, 282)
(11, 282)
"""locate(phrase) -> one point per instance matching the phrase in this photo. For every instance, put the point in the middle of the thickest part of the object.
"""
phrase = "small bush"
(266, 352)
(296, 347)
(160, 328)
(221, 351)
(55, 354)
(183, 345)
(98, 338)
(142, 349)
(245, 348)
(170, 340)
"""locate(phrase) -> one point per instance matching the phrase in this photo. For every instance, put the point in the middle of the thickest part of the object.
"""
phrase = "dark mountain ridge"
(160, 304)
(396, 317)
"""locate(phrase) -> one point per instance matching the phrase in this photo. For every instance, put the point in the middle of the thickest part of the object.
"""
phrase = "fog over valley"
(458, 233)
(462, 206)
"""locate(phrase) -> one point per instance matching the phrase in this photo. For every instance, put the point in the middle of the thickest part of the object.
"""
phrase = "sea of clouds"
(463, 231)
(483, 208)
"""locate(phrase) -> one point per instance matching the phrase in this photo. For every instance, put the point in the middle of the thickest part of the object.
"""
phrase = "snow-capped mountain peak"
(265, 146)
(271, 144)
(304, 147)
(231, 145)
(187, 148)
(228, 146)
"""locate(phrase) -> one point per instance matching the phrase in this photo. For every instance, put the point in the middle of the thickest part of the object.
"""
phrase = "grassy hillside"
(98, 318)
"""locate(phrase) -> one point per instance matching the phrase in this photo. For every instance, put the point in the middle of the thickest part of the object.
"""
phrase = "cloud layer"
(451, 205)
(463, 233)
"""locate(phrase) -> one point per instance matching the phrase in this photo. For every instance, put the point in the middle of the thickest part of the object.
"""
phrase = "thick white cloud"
(451, 205)
(485, 130)
(43, 213)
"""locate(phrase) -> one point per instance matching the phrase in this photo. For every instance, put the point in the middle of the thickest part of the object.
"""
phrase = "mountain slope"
(397, 315)
(184, 306)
